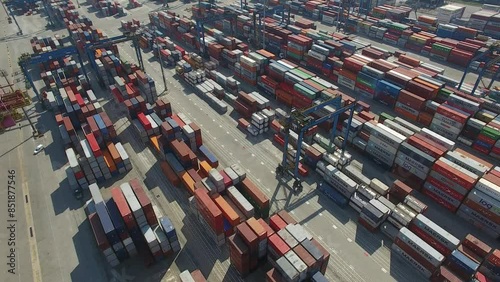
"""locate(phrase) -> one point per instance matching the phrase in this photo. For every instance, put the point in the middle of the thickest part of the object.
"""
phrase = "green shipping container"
(491, 132)
(301, 74)
(385, 116)
(304, 91)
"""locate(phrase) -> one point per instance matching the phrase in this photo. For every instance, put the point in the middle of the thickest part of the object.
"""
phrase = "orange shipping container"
(241, 216)
(227, 211)
(204, 169)
(114, 153)
(154, 142)
(109, 161)
(257, 228)
(188, 182)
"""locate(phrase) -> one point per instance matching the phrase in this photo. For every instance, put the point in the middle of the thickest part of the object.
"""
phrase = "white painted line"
(349, 240)
(351, 267)
(248, 170)
(235, 140)
(292, 212)
(268, 190)
(221, 145)
(272, 171)
(201, 125)
(261, 163)
(227, 132)
(231, 153)
(320, 238)
(213, 120)
(253, 155)
(384, 270)
(220, 125)
(334, 226)
(307, 202)
(258, 180)
(305, 224)
(320, 214)
(239, 161)
(201, 109)
(215, 138)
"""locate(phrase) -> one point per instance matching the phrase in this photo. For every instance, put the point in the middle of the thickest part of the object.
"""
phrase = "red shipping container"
(444, 274)
(440, 201)
(454, 115)
(287, 217)
(277, 223)
(476, 245)
(123, 208)
(429, 240)
(483, 211)
(227, 180)
(415, 255)
(269, 230)
(425, 147)
(494, 258)
(400, 190)
(411, 100)
(144, 121)
(277, 245)
(470, 254)
(144, 200)
(99, 235)
(455, 175)
(448, 190)
(209, 211)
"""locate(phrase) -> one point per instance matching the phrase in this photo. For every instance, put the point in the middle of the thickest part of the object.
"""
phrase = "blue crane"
(27, 60)
(302, 120)
(494, 52)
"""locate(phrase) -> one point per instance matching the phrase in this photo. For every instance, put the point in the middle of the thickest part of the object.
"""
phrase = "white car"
(38, 149)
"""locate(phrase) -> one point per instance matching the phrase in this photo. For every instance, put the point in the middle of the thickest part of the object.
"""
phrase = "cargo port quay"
(182, 178)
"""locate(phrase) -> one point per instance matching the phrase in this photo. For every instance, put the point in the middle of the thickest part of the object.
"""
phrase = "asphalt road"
(65, 243)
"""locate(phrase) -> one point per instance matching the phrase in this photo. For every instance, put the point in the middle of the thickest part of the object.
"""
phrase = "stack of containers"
(490, 266)
(449, 183)
(434, 235)
(383, 144)
(253, 194)
(241, 202)
(417, 252)
(487, 140)
(76, 169)
(247, 70)
(210, 216)
(147, 87)
(297, 47)
(373, 214)
(475, 252)
(126, 217)
(106, 236)
(481, 206)
(448, 121)
(342, 183)
(170, 232)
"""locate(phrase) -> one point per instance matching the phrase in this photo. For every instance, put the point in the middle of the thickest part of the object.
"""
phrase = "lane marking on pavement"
(307, 202)
(262, 163)
(384, 270)
(35, 260)
(320, 214)
(334, 226)
(292, 212)
(253, 155)
(349, 240)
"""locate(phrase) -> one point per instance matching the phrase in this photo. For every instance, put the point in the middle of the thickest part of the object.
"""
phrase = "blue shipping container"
(461, 260)
(115, 216)
(168, 227)
(106, 223)
(173, 124)
(388, 88)
(207, 154)
(333, 194)
(174, 163)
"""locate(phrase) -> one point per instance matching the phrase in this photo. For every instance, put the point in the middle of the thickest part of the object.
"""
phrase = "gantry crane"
(301, 121)
(200, 27)
(26, 60)
(494, 53)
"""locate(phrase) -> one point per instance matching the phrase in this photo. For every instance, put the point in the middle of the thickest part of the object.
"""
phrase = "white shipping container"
(398, 128)
(436, 232)
(466, 162)
(379, 186)
(299, 265)
(240, 201)
(132, 201)
(421, 247)
(448, 144)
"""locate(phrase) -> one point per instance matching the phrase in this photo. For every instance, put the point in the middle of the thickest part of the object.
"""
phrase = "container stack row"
(294, 254)
(126, 225)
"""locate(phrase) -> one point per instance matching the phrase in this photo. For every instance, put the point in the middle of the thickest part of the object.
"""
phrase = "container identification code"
(11, 221)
